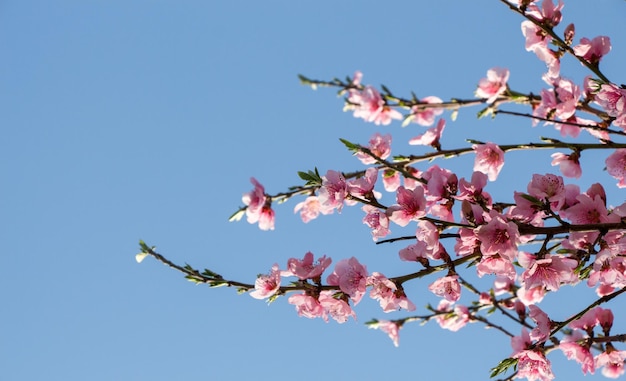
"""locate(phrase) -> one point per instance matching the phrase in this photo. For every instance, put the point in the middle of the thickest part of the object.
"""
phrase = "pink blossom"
(351, 277)
(440, 184)
(494, 85)
(267, 285)
(473, 191)
(447, 287)
(532, 295)
(431, 136)
(521, 342)
(369, 105)
(612, 362)
(568, 164)
(337, 308)
(550, 271)
(379, 145)
(560, 102)
(608, 270)
(533, 365)
(549, 188)
(363, 187)
(549, 13)
(425, 116)
(410, 207)
(572, 350)
(495, 264)
(489, 159)
(605, 319)
(453, 319)
(593, 50)
(498, 237)
(589, 211)
(542, 331)
(258, 207)
(612, 99)
(467, 243)
(414, 253)
(616, 166)
(387, 293)
(308, 306)
(307, 268)
(391, 180)
(333, 191)
(310, 208)
(536, 38)
(391, 328)
(377, 220)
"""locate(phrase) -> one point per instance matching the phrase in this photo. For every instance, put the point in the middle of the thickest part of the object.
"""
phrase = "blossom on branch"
(489, 159)
(494, 85)
(267, 285)
(351, 277)
(379, 145)
(258, 207)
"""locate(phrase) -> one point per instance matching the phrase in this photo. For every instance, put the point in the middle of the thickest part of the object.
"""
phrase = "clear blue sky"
(128, 120)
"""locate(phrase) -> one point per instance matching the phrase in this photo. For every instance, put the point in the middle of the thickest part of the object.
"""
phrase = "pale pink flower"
(549, 272)
(431, 137)
(495, 264)
(308, 306)
(447, 287)
(466, 243)
(586, 322)
(267, 285)
(307, 268)
(608, 270)
(333, 191)
(258, 207)
(568, 164)
(521, 342)
(612, 362)
(391, 180)
(533, 365)
(379, 145)
(425, 116)
(549, 188)
(363, 187)
(415, 252)
(489, 159)
(612, 99)
(472, 191)
(574, 351)
(441, 183)
(536, 38)
(605, 319)
(616, 166)
(549, 13)
(593, 50)
(531, 296)
(337, 308)
(410, 207)
(498, 237)
(542, 331)
(377, 220)
(351, 277)
(369, 105)
(560, 102)
(391, 328)
(589, 211)
(494, 85)
(387, 293)
(310, 209)
(453, 319)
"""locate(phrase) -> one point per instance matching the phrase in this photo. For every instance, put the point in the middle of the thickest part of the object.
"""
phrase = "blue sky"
(128, 120)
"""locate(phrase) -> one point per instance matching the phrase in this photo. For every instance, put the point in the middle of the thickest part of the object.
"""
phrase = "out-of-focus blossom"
(616, 166)
(489, 159)
(593, 50)
(494, 85)
(425, 116)
(391, 328)
(568, 164)
(379, 145)
(431, 137)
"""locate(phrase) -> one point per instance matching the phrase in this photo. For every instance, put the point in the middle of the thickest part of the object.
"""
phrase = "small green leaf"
(237, 215)
(218, 283)
(351, 146)
(503, 366)
(531, 199)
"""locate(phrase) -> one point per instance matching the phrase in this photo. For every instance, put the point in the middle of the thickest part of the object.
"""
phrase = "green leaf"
(237, 215)
(351, 146)
(503, 366)
(144, 247)
(531, 199)
(218, 284)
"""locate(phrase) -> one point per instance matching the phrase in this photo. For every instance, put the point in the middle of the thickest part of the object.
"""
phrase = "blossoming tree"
(544, 237)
